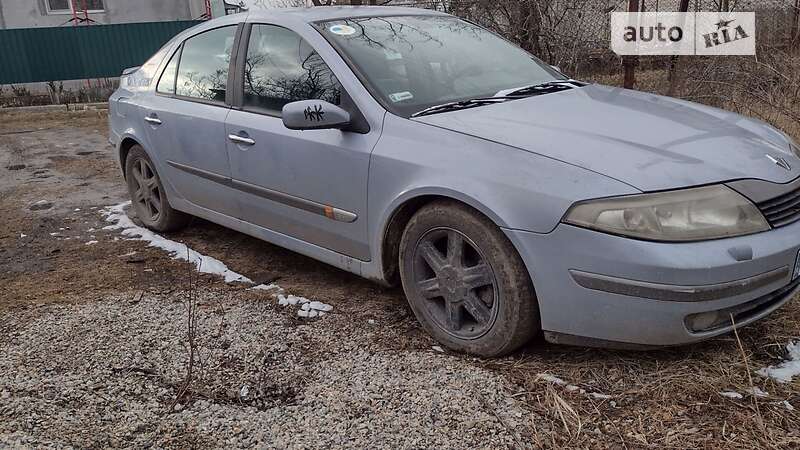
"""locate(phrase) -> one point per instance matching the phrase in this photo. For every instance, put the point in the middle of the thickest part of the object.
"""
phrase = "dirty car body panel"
(525, 164)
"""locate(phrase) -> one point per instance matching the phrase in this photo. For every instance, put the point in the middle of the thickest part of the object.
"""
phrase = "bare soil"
(56, 175)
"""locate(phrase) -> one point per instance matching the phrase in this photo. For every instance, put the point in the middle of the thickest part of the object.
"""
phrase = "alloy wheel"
(457, 283)
(146, 191)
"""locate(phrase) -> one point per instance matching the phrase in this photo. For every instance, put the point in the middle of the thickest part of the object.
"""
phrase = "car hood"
(648, 141)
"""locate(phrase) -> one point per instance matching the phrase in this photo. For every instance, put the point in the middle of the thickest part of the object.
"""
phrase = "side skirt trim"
(330, 212)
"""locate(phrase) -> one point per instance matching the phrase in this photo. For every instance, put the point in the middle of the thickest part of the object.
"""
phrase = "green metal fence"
(74, 53)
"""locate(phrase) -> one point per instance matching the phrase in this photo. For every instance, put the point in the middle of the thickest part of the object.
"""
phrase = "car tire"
(148, 197)
(465, 281)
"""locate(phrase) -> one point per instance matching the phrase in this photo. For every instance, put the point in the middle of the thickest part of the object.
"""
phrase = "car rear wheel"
(148, 196)
(465, 282)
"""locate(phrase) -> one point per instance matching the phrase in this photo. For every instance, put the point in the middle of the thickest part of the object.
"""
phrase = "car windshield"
(411, 63)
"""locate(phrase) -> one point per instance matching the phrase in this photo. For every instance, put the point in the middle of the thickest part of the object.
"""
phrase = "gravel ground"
(267, 379)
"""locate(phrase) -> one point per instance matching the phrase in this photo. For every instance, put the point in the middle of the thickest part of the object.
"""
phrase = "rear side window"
(282, 68)
(204, 62)
(166, 85)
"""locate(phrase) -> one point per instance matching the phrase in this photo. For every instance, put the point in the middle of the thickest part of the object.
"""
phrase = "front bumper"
(599, 289)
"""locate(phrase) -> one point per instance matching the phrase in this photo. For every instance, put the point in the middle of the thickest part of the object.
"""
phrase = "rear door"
(186, 120)
(311, 185)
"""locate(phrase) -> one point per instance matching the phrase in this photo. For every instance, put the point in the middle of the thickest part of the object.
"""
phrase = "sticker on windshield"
(401, 96)
(343, 30)
(392, 55)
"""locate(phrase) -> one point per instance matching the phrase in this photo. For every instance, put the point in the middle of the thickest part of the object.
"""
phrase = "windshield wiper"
(464, 104)
(503, 96)
(540, 89)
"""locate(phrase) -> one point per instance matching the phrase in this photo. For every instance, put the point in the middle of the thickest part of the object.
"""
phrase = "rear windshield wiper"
(464, 104)
(540, 89)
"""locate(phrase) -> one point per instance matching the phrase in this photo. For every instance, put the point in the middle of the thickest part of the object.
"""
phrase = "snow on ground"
(308, 308)
(731, 394)
(788, 369)
(205, 264)
(756, 391)
(572, 388)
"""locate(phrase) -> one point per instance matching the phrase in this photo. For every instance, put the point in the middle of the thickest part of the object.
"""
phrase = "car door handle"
(153, 120)
(241, 139)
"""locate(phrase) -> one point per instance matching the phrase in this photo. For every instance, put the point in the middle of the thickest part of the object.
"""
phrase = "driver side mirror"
(314, 115)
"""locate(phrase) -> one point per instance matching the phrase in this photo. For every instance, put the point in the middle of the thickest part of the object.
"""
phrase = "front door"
(310, 185)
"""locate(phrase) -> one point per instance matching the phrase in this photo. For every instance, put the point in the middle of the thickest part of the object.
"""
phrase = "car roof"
(315, 14)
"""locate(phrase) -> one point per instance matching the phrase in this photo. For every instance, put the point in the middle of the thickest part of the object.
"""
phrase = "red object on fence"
(207, 15)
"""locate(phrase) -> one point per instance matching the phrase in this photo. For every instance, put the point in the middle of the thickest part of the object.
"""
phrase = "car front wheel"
(465, 282)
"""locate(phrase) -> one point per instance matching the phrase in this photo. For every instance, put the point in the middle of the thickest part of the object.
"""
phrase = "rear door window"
(204, 63)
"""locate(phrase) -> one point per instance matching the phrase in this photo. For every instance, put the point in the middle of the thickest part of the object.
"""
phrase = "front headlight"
(697, 214)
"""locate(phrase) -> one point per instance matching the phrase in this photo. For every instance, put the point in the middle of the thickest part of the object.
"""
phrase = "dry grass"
(662, 399)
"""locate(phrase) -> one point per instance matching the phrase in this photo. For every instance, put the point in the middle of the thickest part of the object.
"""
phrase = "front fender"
(516, 189)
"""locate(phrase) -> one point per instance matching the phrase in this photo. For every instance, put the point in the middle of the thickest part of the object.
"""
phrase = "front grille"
(783, 210)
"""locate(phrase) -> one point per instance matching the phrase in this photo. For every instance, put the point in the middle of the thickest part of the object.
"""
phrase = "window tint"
(282, 68)
(166, 85)
(203, 69)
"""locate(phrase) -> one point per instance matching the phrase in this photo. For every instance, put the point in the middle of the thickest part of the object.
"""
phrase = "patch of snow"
(756, 391)
(787, 405)
(266, 287)
(788, 369)
(77, 209)
(731, 394)
(551, 379)
(438, 349)
(205, 264)
(599, 396)
(22, 235)
(571, 387)
(319, 306)
(291, 300)
(314, 309)
(90, 230)
(55, 234)
(371, 321)
(91, 243)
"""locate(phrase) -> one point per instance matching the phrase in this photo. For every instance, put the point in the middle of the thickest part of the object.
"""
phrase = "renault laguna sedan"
(412, 147)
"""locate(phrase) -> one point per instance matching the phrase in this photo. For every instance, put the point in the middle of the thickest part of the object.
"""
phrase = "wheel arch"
(125, 147)
(401, 212)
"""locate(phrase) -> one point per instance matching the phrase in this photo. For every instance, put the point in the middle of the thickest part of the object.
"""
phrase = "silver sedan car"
(412, 147)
